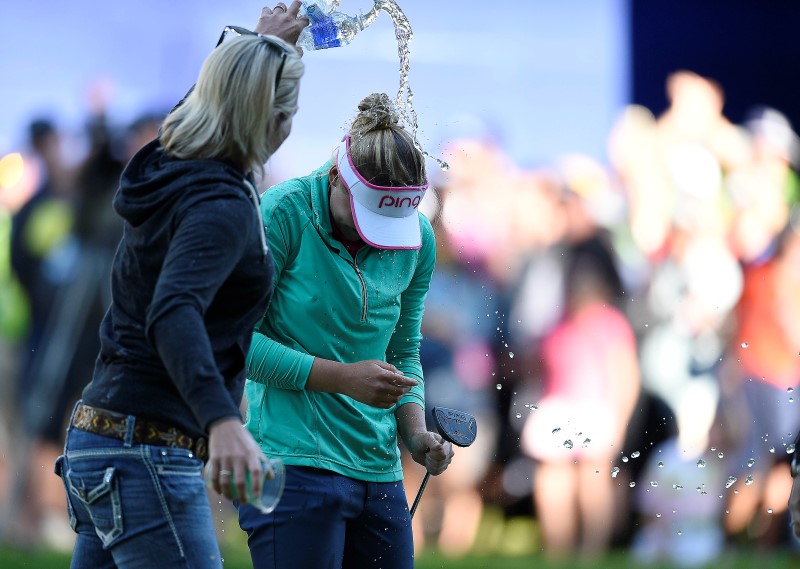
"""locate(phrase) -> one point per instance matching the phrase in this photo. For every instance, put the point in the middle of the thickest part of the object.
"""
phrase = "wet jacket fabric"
(330, 304)
(191, 277)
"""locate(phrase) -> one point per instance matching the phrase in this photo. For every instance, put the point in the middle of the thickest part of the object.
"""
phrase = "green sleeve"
(403, 349)
(270, 362)
(273, 364)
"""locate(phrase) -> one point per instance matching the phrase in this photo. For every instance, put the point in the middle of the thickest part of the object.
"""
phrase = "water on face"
(404, 101)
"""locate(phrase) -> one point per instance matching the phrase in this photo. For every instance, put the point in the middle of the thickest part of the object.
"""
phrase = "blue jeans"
(136, 506)
(328, 521)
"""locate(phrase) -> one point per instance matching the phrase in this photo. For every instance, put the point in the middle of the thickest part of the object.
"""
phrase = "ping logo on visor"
(385, 217)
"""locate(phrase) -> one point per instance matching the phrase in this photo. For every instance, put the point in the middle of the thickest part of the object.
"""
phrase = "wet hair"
(230, 112)
(382, 150)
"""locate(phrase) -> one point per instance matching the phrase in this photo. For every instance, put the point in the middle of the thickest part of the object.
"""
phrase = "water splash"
(405, 97)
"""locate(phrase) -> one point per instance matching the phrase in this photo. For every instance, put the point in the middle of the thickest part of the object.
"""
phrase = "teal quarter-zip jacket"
(329, 304)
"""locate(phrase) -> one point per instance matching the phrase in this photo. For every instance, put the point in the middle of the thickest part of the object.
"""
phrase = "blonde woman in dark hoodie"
(191, 276)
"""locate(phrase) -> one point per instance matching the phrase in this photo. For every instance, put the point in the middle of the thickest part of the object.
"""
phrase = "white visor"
(385, 217)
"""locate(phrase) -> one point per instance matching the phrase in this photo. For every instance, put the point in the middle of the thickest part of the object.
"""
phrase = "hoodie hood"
(154, 180)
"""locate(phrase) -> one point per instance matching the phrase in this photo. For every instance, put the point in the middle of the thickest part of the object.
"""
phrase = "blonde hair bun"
(375, 111)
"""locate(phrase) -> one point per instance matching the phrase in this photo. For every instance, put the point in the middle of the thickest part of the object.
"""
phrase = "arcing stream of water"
(404, 101)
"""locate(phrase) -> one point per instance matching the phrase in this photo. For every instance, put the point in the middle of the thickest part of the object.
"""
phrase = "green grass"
(237, 558)
(501, 544)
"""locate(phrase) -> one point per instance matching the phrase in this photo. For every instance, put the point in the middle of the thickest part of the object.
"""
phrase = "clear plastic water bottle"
(329, 28)
(272, 483)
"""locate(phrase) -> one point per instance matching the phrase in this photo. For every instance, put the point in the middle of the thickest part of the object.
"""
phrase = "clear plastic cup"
(272, 483)
(271, 486)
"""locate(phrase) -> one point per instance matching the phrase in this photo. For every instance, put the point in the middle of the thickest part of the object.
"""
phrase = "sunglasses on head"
(238, 31)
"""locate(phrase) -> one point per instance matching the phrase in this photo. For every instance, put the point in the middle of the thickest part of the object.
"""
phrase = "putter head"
(455, 426)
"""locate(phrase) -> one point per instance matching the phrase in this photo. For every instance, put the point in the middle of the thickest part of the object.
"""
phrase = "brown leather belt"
(145, 432)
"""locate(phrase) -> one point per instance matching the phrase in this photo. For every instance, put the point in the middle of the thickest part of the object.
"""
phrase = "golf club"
(456, 427)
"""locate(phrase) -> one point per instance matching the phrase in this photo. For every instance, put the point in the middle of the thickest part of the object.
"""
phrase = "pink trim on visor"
(385, 217)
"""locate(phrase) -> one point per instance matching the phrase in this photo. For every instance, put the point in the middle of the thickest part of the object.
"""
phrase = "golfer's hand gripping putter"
(456, 427)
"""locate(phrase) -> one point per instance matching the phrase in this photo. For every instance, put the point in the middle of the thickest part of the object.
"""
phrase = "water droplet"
(635, 454)
(499, 387)
(745, 344)
(660, 464)
(586, 442)
(654, 484)
(632, 484)
(614, 472)
(556, 430)
(772, 450)
(510, 354)
(568, 444)
(751, 462)
(519, 415)
(625, 459)
(789, 389)
(721, 455)
(677, 487)
(731, 481)
(658, 515)
(749, 480)
(701, 463)
(680, 532)
(790, 448)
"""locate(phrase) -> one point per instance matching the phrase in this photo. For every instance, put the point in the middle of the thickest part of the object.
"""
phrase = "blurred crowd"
(58, 234)
(626, 333)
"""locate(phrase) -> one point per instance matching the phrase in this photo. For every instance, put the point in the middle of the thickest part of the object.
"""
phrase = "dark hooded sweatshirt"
(191, 277)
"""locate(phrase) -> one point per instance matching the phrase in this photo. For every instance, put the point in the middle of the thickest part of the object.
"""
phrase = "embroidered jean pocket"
(98, 492)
